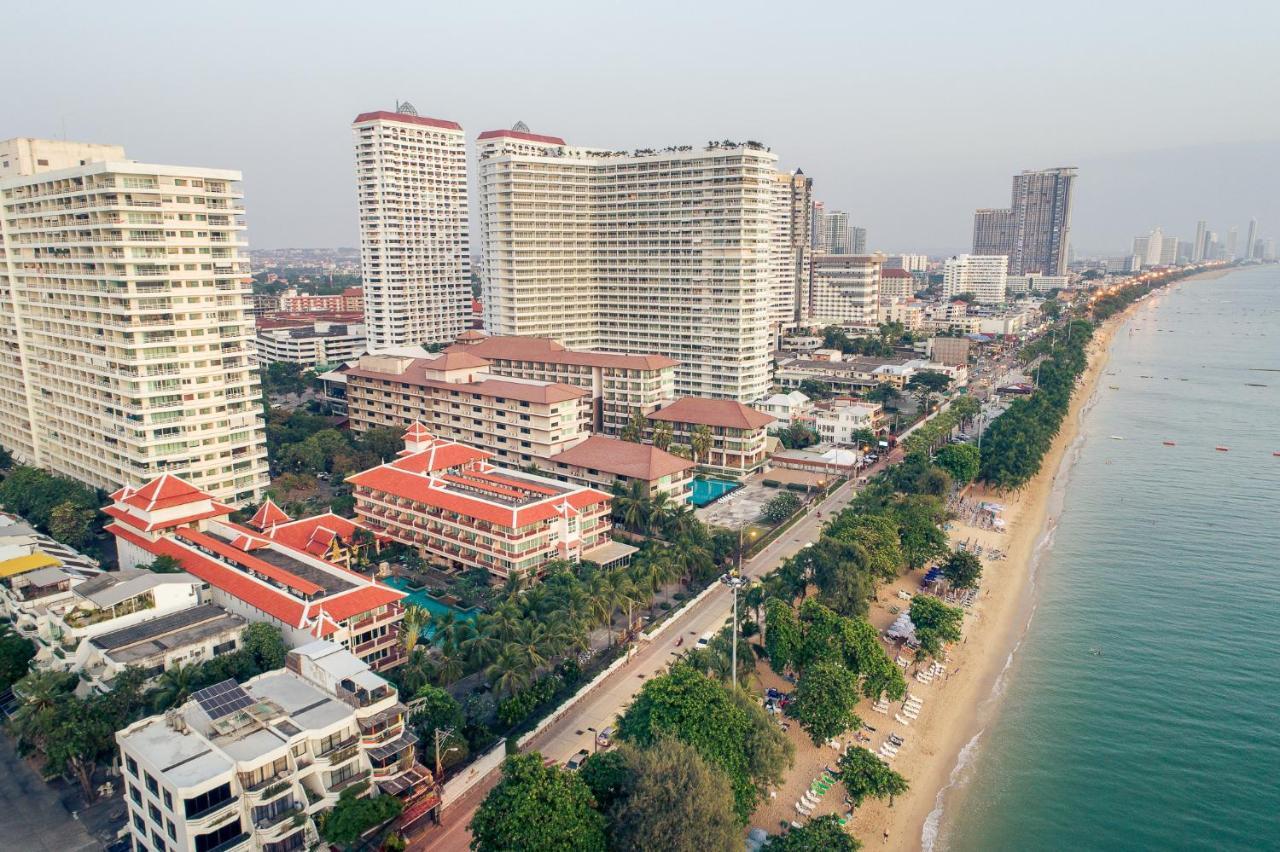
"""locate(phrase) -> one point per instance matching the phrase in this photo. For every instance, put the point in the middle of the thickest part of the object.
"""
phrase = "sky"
(909, 116)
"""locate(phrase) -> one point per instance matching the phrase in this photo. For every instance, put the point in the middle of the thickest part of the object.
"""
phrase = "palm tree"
(660, 512)
(174, 686)
(700, 442)
(41, 693)
(450, 668)
(682, 521)
(483, 645)
(631, 505)
(415, 619)
(662, 434)
(510, 671)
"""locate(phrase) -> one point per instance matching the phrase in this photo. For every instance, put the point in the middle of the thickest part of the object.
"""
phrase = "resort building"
(309, 343)
(126, 338)
(286, 573)
(839, 420)
(250, 766)
(411, 188)
(738, 433)
(1036, 283)
(619, 385)
(519, 421)
(586, 247)
(461, 512)
(846, 289)
(603, 462)
(981, 276)
(350, 300)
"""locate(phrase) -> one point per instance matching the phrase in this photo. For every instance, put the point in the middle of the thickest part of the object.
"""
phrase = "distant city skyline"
(911, 164)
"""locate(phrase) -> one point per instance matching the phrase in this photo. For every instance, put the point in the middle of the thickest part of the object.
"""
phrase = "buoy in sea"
(1169, 444)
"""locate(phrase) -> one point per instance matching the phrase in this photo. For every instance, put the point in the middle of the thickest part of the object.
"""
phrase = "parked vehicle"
(575, 762)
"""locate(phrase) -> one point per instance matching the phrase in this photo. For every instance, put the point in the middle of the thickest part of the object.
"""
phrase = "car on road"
(604, 739)
(575, 762)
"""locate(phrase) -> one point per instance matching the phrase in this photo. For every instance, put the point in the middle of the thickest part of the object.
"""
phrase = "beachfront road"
(563, 738)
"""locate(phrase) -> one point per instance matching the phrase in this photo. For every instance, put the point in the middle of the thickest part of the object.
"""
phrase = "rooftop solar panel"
(222, 699)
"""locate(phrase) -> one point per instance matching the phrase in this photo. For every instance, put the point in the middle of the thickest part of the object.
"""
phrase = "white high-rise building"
(1201, 245)
(982, 275)
(665, 252)
(126, 335)
(1251, 237)
(846, 289)
(411, 185)
(791, 254)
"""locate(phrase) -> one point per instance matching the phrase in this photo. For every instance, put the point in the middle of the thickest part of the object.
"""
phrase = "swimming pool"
(708, 490)
(423, 598)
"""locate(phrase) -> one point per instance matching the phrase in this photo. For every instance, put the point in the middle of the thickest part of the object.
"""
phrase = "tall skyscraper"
(857, 240)
(792, 253)
(1251, 238)
(126, 335)
(1034, 231)
(837, 239)
(411, 185)
(1233, 236)
(586, 246)
(983, 277)
(818, 226)
(1201, 245)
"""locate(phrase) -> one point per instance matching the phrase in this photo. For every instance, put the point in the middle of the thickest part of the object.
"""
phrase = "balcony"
(271, 823)
(237, 842)
(207, 816)
(348, 782)
(392, 611)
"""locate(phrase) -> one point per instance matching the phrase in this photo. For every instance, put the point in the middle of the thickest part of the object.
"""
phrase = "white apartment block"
(249, 766)
(839, 421)
(908, 262)
(311, 345)
(846, 289)
(983, 276)
(790, 254)
(665, 252)
(411, 185)
(126, 334)
(1035, 283)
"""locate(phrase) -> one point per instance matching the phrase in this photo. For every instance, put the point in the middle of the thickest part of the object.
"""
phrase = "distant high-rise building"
(790, 252)
(1184, 251)
(1034, 231)
(1233, 236)
(411, 186)
(1201, 246)
(818, 226)
(1251, 237)
(909, 262)
(837, 238)
(846, 288)
(1169, 251)
(858, 240)
(586, 246)
(800, 227)
(982, 276)
(126, 332)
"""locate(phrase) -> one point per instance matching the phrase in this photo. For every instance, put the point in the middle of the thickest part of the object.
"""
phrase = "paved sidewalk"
(32, 817)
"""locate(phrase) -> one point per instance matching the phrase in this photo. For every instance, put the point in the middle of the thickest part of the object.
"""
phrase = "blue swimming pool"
(708, 490)
(423, 599)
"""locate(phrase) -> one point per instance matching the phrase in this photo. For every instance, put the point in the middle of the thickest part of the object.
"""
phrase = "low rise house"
(250, 766)
(784, 408)
(839, 420)
(460, 511)
(603, 462)
(738, 433)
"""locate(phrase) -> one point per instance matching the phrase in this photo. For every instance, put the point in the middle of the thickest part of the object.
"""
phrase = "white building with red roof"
(603, 462)
(281, 573)
(459, 510)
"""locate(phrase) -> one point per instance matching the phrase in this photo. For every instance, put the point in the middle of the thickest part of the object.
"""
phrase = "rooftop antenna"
(520, 127)
(405, 108)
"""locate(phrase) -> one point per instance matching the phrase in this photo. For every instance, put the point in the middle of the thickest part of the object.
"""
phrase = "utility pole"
(440, 735)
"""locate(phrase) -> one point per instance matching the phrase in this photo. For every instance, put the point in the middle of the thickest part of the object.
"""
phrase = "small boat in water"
(1223, 449)
(1117, 437)
(1170, 444)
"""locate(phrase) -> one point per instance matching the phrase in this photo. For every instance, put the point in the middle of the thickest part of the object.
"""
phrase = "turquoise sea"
(1141, 709)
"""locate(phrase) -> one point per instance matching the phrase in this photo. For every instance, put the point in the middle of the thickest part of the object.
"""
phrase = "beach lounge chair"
(901, 721)
(803, 811)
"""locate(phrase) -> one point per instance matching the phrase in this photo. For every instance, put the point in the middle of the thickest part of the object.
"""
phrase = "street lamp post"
(734, 582)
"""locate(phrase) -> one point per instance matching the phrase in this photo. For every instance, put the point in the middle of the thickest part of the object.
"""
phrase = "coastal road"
(564, 737)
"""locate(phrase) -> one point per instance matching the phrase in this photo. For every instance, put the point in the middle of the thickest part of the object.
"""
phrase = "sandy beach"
(958, 704)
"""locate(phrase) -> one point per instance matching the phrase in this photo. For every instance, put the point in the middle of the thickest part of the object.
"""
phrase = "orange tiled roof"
(702, 411)
(623, 458)
(268, 515)
(160, 493)
(253, 563)
(514, 348)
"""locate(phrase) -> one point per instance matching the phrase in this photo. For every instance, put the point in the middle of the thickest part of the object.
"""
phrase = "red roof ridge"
(388, 115)
(520, 134)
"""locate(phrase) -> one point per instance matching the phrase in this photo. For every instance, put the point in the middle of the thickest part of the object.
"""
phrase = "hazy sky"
(907, 115)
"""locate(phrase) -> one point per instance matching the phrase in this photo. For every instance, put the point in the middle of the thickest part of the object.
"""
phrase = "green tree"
(963, 570)
(382, 443)
(355, 814)
(662, 434)
(920, 518)
(77, 736)
(608, 776)
(175, 685)
(537, 808)
(165, 564)
(935, 623)
(865, 775)
(435, 709)
(674, 801)
(781, 507)
(71, 524)
(815, 389)
(634, 430)
(885, 394)
(700, 442)
(264, 646)
(16, 654)
(825, 701)
(729, 730)
(961, 461)
(782, 636)
(820, 834)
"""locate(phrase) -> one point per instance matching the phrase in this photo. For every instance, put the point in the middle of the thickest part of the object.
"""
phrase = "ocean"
(1141, 709)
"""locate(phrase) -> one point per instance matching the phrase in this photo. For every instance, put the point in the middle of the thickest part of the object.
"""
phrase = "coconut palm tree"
(483, 645)
(660, 511)
(510, 671)
(682, 521)
(174, 686)
(700, 442)
(411, 626)
(41, 692)
(631, 505)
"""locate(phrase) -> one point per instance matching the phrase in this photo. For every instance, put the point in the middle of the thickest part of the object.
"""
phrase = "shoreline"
(956, 714)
